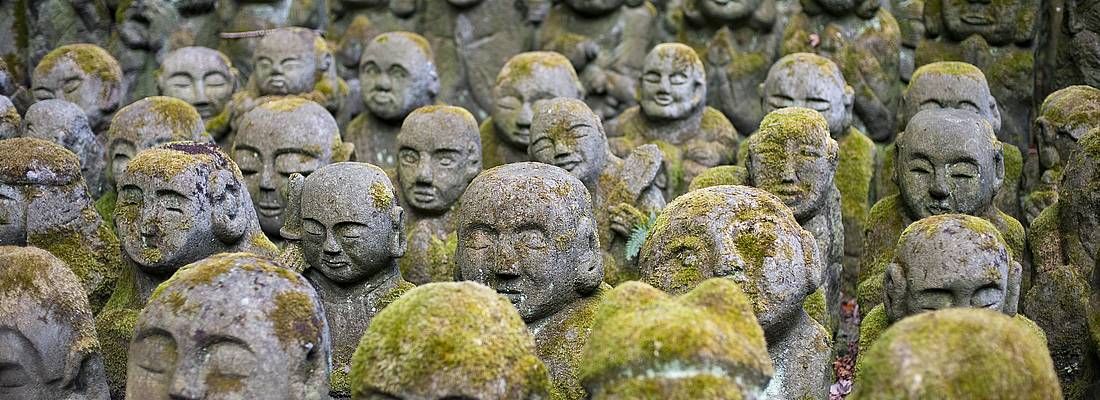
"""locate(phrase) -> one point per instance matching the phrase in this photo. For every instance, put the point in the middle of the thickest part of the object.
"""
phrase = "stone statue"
(66, 124)
(397, 75)
(231, 325)
(56, 23)
(673, 115)
(10, 119)
(349, 246)
(280, 138)
(1067, 51)
(909, 15)
(438, 154)
(1064, 117)
(712, 325)
(524, 80)
(206, 80)
(996, 37)
(948, 162)
(567, 133)
(199, 24)
(747, 235)
(85, 75)
(448, 340)
(606, 41)
(140, 39)
(244, 22)
(177, 204)
(864, 40)
(50, 350)
(528, 231)
(44, 203)
(964, 353)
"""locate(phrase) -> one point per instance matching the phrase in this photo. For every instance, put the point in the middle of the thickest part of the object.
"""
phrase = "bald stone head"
(41, 190)
(9, 119)
(232, 325)
(567, 134)
(1079, 192)
(524, 80)
(950, 84)
(147, 123)
(66, 124)
(1065, 116)
(82, 74)
(397, 75)
(810, 81)
(792, 157)
(438, 154)
(674, 83)
(203, 77)
(289, 61)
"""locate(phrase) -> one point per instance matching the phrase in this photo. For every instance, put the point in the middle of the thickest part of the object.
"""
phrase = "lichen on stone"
(90, 58)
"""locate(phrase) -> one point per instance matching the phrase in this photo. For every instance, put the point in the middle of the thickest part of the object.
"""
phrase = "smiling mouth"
(662, 99)
(568, 165)
(277, 83)
(335, 264)
(269, 210)
(381, 97)
(976, 19)
(721, 2)
(423, 195)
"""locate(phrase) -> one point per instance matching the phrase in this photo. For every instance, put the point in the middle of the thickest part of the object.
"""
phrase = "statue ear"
(1012, 290)
(292, 220)
(849, 101)
(590, 262)
(894, 287)
(998, 165)
(313, 373)
(815, 264)
(760, 92)
(81, 372)
(995, 112)
(398, 244)
(227, 207)
(326, 62)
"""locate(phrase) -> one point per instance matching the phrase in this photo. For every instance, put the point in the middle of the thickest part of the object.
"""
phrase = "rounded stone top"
(979, 230)
(724, 202)
(827, 66)
(941, 119)
(294, 111)
(172, 159)
(528, 64)
(57, 109)
(1077, 105)
(794, 122)
(958, 353)
(523, 181)
(352, 179)
(458, 338)
(158, 115)
(401, 38)
(1090, 145)
(452, 120)
(90, 58)
(683, 56)
(31, 161)
(948, 68)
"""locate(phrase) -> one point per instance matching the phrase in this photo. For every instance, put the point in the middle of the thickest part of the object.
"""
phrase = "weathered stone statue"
(9, 119)
(50, 350)
(85, 75)
(1064, 117)
(199, 24)
(673, 115)
(177, 204)
(351, 233)
(44, 203)
(66, 124)
(1066, 51)
(606, 41)
(232, 325)
(396, 76)
(624, 192)
(996, 37)
(280, 138)
(524, 80)
(244, 22)
(948, 162)
(964, 353)
(712, 325)
(349, 17)
(448, 340)
(528, 231)
(438, 154)
(142, 35)
(748, 235)
(864, 40)
(56, 23)
(206, 80)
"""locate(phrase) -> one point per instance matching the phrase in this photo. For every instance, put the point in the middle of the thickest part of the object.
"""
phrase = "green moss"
(1072, 107)
(20, 26)
(26, 160)
(381, 196)
(854, 172)
(90, 58)
(95, 260)
(11, 117)
(870, 328)
(294, 319)
(115, 328)
(441, 255)
(815, 306)
(524, 65)
(166, 164)
(748, 64)
(222, 384)
(954, 68)
(105, 206)
(720, 175)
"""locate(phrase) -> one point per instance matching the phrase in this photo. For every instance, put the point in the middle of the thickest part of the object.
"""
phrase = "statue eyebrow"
(224, 339)
(580, 125)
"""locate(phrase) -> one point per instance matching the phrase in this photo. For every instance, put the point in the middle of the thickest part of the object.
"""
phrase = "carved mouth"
(423, 195)
(269, 210)
(568, 165)
(977, 19)
(937, 209)
(276, 82)
(335, 264)
(380, 97)
(721, 2)
(663, 99)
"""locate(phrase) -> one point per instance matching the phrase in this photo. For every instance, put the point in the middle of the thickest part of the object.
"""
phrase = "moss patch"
(294, 318)
(91, 59)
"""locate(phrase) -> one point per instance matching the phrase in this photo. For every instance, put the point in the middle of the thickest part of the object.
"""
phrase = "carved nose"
(938, 189)
(187, 384)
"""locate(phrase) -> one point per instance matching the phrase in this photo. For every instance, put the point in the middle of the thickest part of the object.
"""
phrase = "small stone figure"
(528, 231)
(55, 23)
(142, 36)
(50, 350)
(1067, 51)
(85, 75)
(66, 124)
(244, 22)
(230, 326)
(438, 154)
(448, 340)
(606, 41)
(199, 24)
(673, 115)
(524, 80)
(748, 235)
(347, 17)
(10, 120)
(963, 354)
(1064, 117)
(280, 138)
(396, 76)
(712, 325)
(350, 246)
(624, 192)
(206, 80)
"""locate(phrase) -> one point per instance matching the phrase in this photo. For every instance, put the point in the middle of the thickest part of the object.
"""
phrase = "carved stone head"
(289, 61)
(525, 79)
(232, 325)
(448, 340)
(999, 22)
(674, 84)
(528, 231)
(594, 7)
(1065, 116)
(948, 161)
(814, 82)
(147, 123)
(397, 75)
(48, 344)
(41, 191)
(1079, 191)
(280, 138)
(82, 74)
(567, 134)
(66, 124)
(792, 157)
(9, 119)
(438, 154)
(202, 77)
(950, 84)
(147, 24)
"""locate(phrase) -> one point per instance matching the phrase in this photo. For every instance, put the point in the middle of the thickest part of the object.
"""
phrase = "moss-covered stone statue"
(528, 231)
(10, 120)
(44, 203)
(280, 138)
(244, 23)
(438, 154)
(524, 80)
(85, 75)
(1067, 51)
(673, 115)
(50, 350)
(396, 76)
(177, 204)
(748, 235)
(1064, 117)
(142, 35)
(230, 326)
(66, 124)
(52, 24)
(349, 246)
(206, 80)
(948, 162)
(448, 340)
(710, 345)
(350, 17)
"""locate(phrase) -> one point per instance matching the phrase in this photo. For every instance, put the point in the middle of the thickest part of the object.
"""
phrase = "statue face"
(199, 76)
(945, 167)
(516, 98)
(148, 23)
(728, 10)
(590, 7)
(69, 82)
(797, 169)
(397, 76)
(671, 88)
(567, 134)
(26, 373)
(164, 224)
(1080, 183)
(994, 20)
(13, 215)
(434, 167)
(285, 64)
(968, 275)
(804, 84)
(939, 91)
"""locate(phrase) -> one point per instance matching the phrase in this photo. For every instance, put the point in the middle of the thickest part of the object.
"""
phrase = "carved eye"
(678, 79)
(989, 296)
(509, 103)
(216, 80)
(532, 239)
(72, 84)
(312, 228)
(963, 170)
(408, 157)
(155, 353)
(447, 160)
(371, 68)
(921, 168)
(968, 106)
(652, 77)
(13, 376)
(43, 94)
(478, 239)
